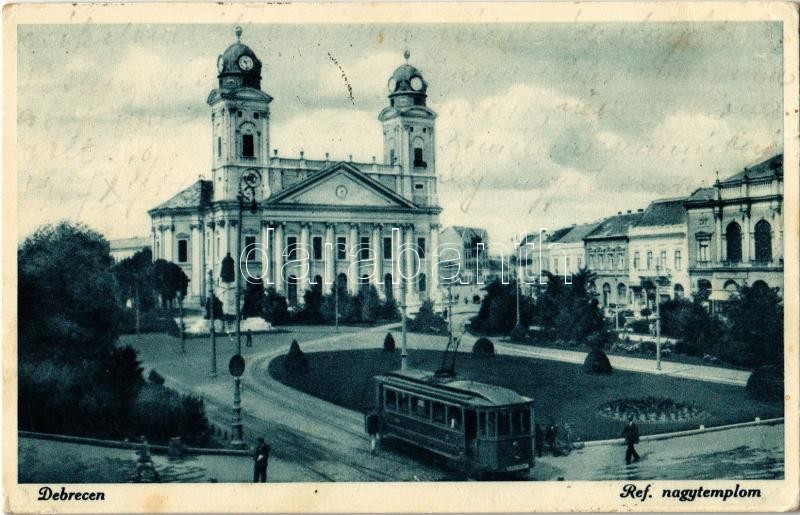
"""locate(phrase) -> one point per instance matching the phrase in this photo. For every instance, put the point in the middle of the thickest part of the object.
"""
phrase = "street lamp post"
(404, 351)
(247, 190)
(183, 327)
(213, 329)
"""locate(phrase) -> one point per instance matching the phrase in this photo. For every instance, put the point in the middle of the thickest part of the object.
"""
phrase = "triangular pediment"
(341, 184)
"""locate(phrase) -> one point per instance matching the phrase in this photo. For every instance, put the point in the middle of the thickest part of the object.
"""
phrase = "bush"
(218, 313)
(483, 348)
(766, 383)
(596, 362)
(276, 309)
(388, 343)
(640, 326)
(155, 321)
(519, 333)
(155, 378)
(646, 312)
(296, 361)
(162, 413)
(428, 322)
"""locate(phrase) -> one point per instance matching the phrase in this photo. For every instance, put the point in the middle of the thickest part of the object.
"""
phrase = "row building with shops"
(715, 240)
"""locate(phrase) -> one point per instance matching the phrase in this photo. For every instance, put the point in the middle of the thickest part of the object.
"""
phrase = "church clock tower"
(240, 122)
(408, 132)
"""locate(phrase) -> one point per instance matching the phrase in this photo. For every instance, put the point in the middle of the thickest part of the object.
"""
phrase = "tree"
(134, 275)
(426, 321)
(218, 311)
(169, 280)
(754, 331)
(253, 305)
(571, 313)
(276, 309)
(312, 304)
(68, 299)
(498, 311)
(370, 303)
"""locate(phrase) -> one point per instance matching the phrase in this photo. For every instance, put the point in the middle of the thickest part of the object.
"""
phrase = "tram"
(480, 428)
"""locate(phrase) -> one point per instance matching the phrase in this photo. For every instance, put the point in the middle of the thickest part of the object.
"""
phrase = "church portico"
(307, 221)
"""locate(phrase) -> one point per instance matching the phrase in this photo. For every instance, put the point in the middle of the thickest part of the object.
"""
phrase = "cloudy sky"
(540, 125)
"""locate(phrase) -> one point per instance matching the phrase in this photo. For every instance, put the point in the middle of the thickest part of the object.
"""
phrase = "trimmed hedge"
(483, 348)
(766, 383)
(388, 343)
(596, 362)
(296, 361)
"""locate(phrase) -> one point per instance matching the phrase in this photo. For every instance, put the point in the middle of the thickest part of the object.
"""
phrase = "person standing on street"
(260, 461)
(374, 430)
(631, 436)
(249, 340)
(538, 440)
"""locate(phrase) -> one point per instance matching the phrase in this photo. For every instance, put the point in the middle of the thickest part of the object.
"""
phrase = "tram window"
(454, 417)
(391, 400)
(491, 424)
(403, 402)
(438, 412)
(526, 421)
(482, 423)
(422, 407)
(503, 423)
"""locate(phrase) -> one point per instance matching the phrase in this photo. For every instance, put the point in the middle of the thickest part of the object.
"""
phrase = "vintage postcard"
(400, 257)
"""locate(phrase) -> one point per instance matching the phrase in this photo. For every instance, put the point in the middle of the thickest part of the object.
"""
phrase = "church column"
(223, 241)
(303, 254)
(352, 273)
(169, 236)
(277, 252)
(330, 256)
(263, 254)
(433, 282)
(153, 240)
(377, 276)
(196, 261)
(409, 265)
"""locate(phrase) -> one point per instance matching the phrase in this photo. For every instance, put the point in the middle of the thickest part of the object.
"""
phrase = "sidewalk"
(647, 366)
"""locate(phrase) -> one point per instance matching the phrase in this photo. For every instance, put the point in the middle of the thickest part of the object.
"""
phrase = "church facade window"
(183, 250)
(341, 248)
(316, 244)
(291, 247)
(387, 248)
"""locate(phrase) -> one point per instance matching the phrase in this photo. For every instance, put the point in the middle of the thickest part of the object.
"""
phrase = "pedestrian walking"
(550, 436)
(374, 430)
(249, 341)
(539, 439)
(260, 461)
(631, 436)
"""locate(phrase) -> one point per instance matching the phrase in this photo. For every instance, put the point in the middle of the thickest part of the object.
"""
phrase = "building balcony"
(739, 265)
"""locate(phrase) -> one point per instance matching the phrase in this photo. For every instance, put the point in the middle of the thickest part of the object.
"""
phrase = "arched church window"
(219, 147)
(763, 238)
(733, 238)
(419, 158)
(248, 146)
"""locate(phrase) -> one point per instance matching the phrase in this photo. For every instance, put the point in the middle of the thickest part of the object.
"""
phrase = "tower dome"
(407, 82)
(238, 66)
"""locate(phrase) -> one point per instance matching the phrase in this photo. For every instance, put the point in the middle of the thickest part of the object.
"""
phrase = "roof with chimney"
(663, 212)
(614, 226)
(196, 196)
(767, 168)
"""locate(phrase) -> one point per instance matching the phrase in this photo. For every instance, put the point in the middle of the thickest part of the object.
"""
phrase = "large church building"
(307, 221)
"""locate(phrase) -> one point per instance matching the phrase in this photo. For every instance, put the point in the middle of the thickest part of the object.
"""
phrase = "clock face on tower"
(392, 85)
(341, 191)
(416, 83)
(246, 63)
(220, 64)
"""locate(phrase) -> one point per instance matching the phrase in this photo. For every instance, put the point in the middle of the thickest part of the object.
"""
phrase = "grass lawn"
(562, 392)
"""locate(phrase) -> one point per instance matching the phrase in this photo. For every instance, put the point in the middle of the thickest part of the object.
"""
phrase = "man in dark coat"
(260, 461)
(373, 429)
(538, 439)
(631, 436)
(249, 339)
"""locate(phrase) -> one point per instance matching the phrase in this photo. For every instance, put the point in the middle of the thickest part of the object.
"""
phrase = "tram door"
(470, 430)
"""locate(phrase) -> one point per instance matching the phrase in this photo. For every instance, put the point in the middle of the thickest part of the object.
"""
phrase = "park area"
(563, 393)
